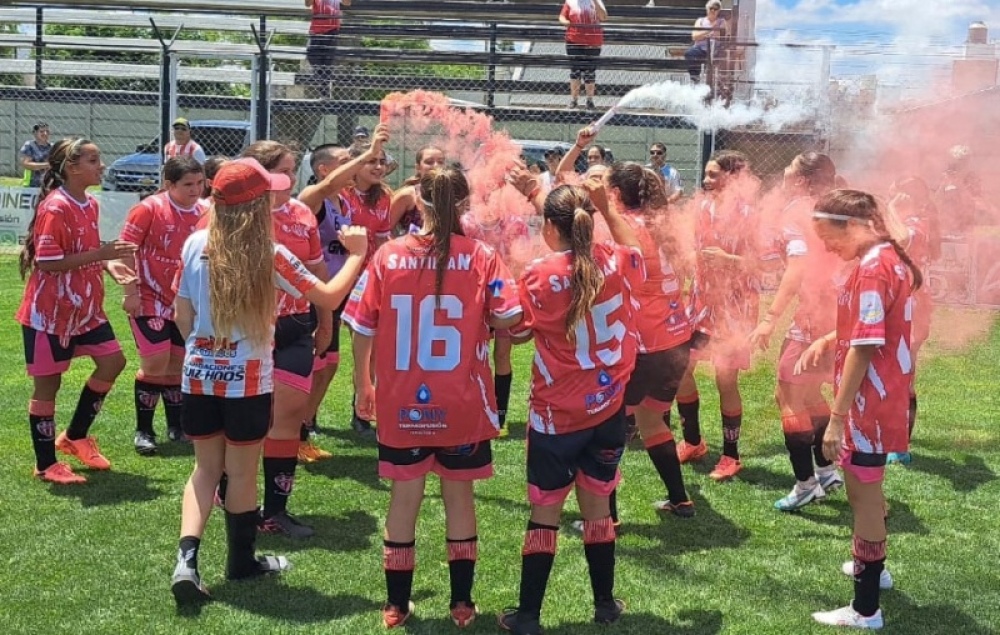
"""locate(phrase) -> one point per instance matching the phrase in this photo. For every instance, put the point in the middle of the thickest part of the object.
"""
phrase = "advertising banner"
(17, 205)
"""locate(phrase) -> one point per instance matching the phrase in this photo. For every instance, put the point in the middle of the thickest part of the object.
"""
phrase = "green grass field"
(97, 558)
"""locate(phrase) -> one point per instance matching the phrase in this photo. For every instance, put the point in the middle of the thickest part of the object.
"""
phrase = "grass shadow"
(966, 472)
(765, 478)
(358, 468)
(173, 449)
(901, 518)
(903, 615)
(350, 437)
(268, 597)
(350, 532)
(686, 623)
(110, 488)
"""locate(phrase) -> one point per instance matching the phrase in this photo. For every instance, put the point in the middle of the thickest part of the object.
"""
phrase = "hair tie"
(426, 203)
(838, 217)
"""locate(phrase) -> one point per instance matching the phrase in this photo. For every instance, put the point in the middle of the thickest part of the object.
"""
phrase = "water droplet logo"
(604, 379)
(496, 286)
(423, 394)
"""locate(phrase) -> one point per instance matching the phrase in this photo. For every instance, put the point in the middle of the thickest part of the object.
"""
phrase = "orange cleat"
(687, 452)
(85, 450)
(394, 617)
(463, 614)
(61, 474)
(310, 453)
(727, 468)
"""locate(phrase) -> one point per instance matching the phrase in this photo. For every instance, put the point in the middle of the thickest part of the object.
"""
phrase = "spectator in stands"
(35, 155)
(183, 144)
(323, 31)
(362, 139)
(706, 30)
(671, 177)
(584, 38)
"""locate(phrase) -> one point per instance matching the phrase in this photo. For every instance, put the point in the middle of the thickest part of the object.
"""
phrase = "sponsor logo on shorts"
(155, 324)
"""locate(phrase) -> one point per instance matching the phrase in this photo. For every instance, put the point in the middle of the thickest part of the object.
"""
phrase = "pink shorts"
(155, 336)
(791, 351)
(867, 474)
(45, 356)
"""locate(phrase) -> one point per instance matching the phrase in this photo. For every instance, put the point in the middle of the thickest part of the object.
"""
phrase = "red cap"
(245, 180)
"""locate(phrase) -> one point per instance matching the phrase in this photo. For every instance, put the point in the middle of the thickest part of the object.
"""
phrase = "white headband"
(839, 217)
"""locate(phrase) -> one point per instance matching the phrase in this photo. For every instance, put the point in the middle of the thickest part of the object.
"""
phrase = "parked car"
(140, 172)
(534, 151)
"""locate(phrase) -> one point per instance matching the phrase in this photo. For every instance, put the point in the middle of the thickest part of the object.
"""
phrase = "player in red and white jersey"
(431, 296)
(183, 145)
(810, 278)
(578, 308)
(873, 370)
(911, 202)
(225, 309)
(724, 306)
(367, 203)
(159, 225)
(299, 333)
(62, 311)
(505, 234)
(335, 171)
(662, 328)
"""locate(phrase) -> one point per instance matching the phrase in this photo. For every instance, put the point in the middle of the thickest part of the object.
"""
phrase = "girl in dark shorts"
(225, 309)
(578, 308)
(62, 312)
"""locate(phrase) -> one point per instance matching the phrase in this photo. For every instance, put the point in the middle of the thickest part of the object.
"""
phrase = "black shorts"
(44, 355)
(588, 458)
(334, 347)
(470, 462)
(243, 420)
(294, 348)
(583, 62)
(154, 335)
(657, 375)
(321, 50)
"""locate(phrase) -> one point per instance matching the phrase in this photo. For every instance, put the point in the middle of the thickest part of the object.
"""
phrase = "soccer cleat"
(187, 587)
(900, 458)
(362, 427)
(684, 509)
(59, 473)
(309, 452)
(799, 497)
(687, 452)
(577, 526)
(285, 524)
(847, 616)
(725, 469)
(85, 450)
(590, 104)
(394, 617)
(885, 581)
(829, 481)
(516, 622)
(504, 432)
(176, 434)
(145, 443)
(608, 611)
(463, 614)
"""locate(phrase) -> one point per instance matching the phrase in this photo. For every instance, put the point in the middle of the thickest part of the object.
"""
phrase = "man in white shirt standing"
(183, 144)
(671, 177)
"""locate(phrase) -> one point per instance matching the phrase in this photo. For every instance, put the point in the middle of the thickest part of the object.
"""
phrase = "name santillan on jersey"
(460, 262)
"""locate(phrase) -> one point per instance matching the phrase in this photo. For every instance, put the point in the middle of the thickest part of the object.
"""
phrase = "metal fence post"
(166, 85)
(707, 148)
(491, 71)
(39, 48)
(262, 122)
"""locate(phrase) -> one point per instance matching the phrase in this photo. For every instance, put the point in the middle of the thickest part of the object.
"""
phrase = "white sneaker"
(847, 616)
(577, 526)
(800, 496)
(186, 585)
(829, 480)
(884, 580)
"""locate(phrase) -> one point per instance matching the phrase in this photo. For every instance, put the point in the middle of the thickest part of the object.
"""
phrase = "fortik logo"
(422, 415)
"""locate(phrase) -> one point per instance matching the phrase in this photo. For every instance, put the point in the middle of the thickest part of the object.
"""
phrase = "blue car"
(140, 172)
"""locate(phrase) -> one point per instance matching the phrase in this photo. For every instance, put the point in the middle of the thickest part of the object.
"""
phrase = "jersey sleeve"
(26, 151)
(526, 288)
(632, 265)
(52, 237)
(868, 321)
(362, 310)
(290, 275)
(181, 286)
(502, 300)
(137, 224)
(315, 246)
(795, 241)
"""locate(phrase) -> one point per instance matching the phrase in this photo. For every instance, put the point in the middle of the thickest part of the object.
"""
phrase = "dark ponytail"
(570, 211)
(443, 192)
(639, 187)
(63, 152)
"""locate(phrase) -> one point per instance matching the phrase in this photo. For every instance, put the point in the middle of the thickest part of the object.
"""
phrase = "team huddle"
(235, 293)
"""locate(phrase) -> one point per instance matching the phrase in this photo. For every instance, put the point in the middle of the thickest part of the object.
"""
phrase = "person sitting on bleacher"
(323, 31)
(706, 29)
